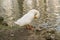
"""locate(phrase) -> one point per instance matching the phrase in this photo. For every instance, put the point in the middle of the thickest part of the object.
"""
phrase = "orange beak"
(35, 17)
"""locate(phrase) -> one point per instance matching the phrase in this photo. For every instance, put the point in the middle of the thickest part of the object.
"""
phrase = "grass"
(2, 27)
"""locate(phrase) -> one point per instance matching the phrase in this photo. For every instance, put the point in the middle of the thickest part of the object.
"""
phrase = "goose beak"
(35, 17)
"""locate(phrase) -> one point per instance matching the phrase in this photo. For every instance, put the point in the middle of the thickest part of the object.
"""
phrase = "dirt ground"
(16, 33)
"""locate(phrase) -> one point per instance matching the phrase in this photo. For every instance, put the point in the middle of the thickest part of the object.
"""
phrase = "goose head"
(37, 14)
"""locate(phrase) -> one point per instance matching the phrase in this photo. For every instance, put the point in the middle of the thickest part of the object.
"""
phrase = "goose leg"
(29, 27)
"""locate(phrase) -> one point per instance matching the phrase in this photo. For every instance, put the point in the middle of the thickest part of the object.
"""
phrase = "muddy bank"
(16, 33)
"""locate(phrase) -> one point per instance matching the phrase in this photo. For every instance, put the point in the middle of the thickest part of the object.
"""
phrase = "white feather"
(27, 18)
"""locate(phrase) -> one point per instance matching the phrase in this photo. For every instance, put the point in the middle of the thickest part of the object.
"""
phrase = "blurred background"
(11, 10)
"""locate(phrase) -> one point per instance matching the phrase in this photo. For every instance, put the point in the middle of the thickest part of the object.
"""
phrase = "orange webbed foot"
(29, 27)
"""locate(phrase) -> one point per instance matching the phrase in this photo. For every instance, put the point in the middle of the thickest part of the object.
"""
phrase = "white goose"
(28, 18)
